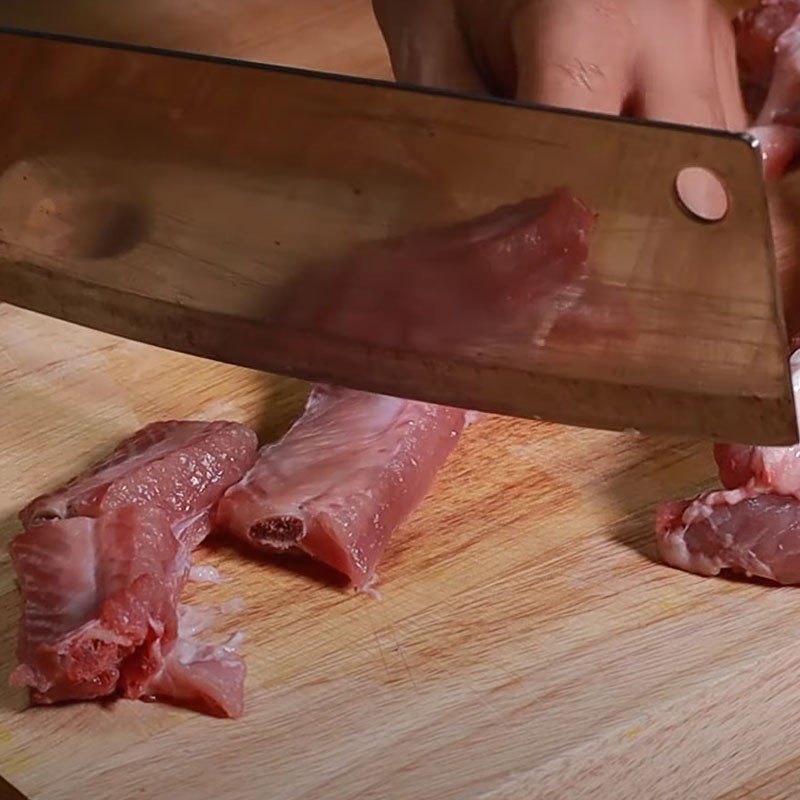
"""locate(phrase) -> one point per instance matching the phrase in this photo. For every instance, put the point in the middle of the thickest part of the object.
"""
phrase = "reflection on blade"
(499, 286)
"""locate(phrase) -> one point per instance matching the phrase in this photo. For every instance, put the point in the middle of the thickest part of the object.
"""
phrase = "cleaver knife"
(474, 252)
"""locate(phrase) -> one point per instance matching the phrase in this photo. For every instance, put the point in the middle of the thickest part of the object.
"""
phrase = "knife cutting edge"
(473, 252)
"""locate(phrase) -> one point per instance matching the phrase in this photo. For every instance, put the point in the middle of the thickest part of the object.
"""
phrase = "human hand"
(671, 60)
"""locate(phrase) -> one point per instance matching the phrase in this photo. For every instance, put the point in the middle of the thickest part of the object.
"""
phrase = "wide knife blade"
(249, 213)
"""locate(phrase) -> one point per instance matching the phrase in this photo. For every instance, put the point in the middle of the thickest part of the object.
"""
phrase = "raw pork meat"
(99, 603)
(774, 469)
(181, 467)
(768, 46)
(783, 97)
(103, 562)
(757, 32)
(506, 277)
(753, 526)
(349, 471)
(743, 531)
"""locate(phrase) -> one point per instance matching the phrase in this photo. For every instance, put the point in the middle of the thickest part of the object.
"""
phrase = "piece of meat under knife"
(752, 526)
(764, 469)
(347, 473)
(743, 530)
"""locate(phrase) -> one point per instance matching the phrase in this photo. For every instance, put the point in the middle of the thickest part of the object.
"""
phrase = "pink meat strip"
(781, 103)
(347, 473)
(103, 562)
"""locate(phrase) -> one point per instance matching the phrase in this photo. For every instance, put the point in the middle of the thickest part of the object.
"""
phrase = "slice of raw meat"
(746, 532)
(504, 278)
(182, 467)
(347, 473)
(99, 603)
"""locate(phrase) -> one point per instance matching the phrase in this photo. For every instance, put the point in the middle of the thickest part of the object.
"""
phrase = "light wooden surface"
(527, 645)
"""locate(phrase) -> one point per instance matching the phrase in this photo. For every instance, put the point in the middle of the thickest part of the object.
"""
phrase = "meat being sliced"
(99, 603)
(747, 532)
(502, 279)
(347, 473)
(765, 469)
(104, 559)
(775, 469)
(751, 527)
(182, 467)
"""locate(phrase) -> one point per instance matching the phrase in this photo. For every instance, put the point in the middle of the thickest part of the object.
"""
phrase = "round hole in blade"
(702, 194)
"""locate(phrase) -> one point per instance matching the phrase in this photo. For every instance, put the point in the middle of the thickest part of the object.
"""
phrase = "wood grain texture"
(527, 644)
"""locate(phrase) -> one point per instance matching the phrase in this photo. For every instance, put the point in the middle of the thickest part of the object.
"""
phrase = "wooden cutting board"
(527, 645)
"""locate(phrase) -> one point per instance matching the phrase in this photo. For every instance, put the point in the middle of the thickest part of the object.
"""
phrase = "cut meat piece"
(502, 279)
(182, 467)
(757, 31)
(349, 471)
(750, 533)
(753, 527)
(205, 676)
(103, 562)
(100, 599)
(99, 603)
